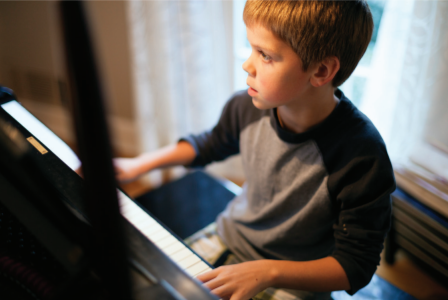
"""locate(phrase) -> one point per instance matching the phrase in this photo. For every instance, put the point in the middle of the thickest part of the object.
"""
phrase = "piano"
(54, 243)
(156, 252)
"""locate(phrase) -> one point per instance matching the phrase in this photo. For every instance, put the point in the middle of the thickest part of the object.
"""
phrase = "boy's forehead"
(260, 36)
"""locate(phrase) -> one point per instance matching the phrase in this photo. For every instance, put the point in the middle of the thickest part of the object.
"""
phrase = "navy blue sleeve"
(223, 140)
(362, 191)
(360, 183)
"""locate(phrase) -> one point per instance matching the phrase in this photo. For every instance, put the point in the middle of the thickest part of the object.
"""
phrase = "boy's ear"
(325, 71)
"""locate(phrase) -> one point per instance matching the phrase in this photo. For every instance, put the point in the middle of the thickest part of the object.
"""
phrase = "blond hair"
(316, 30)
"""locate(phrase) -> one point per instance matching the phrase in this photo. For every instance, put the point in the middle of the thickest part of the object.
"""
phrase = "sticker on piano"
(37, 145)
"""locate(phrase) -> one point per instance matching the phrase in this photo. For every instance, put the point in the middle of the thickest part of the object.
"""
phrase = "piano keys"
(181, 254)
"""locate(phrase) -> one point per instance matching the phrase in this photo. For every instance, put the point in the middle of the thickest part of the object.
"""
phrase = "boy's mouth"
(252, 92)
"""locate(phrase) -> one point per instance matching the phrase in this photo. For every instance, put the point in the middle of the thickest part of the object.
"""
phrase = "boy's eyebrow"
(264, 48)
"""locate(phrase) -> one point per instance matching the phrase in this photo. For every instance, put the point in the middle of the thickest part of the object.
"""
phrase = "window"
(241, 46)
(354, 87)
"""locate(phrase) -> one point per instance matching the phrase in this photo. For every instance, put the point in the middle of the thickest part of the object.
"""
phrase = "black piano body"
(46, 245)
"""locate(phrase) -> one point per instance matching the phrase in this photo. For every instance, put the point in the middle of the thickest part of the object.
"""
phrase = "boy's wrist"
(144, 163)
(272, 272)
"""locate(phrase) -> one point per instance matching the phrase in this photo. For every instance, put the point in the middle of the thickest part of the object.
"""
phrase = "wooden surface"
(407, 276)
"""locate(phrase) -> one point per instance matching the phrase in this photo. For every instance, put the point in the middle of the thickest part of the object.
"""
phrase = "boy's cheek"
(266, 84)
(269, 89)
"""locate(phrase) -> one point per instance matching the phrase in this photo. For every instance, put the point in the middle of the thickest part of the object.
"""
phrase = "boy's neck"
(310, 111)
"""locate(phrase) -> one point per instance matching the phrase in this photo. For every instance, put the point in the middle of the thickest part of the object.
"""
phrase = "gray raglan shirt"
(309, 195)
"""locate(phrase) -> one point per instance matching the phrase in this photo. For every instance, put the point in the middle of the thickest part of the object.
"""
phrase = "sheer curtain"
(183, 65)
(181, 68)
(409, 73)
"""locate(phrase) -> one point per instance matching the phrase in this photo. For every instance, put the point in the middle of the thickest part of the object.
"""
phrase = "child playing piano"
(315, 207)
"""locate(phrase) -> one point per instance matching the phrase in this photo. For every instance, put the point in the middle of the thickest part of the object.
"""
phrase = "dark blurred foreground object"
(101, 202)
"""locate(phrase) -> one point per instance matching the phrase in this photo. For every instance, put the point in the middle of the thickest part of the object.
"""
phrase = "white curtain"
(181, 67)
(409, 75)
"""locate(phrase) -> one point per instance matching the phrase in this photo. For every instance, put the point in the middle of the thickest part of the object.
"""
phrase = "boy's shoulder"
(350, 138)
(352, 129)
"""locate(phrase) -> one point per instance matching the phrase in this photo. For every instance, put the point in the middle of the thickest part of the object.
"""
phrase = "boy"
(316, 204)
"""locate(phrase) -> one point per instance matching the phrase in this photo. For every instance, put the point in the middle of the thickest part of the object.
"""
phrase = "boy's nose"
(249, 67)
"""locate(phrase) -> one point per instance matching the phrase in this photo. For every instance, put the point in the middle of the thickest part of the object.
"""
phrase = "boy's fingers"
(206, 276)
(222, 291)
(213, 284)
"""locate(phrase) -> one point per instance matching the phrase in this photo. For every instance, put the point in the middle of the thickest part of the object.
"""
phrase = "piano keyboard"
(186, 259)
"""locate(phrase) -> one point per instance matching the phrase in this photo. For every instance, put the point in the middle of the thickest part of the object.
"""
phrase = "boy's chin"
(261, 104)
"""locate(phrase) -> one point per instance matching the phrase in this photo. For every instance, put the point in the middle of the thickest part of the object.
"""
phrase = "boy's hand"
(245, 280)
(127, 169)
(239, 282)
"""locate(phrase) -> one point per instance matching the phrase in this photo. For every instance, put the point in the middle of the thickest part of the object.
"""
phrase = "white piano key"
(132, 212)
(179, 255)
(144, 223)
(150, 230)
(208, 269)
(136, 218)
(197, 268)
(141, 217)
(174, 248)
(129, 206)
(125, 202)
(166, 242)
(188, 261)
(129, 212)
(151, 238)
(159, 235)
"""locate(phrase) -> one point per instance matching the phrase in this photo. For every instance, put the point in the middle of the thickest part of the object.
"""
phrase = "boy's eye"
(264, 56)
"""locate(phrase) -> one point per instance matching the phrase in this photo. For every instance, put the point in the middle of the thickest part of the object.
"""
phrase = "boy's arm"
(129, 169)
(193, 150)
(245, 280)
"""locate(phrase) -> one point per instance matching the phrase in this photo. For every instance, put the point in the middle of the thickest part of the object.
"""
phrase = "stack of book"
(420, 210)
